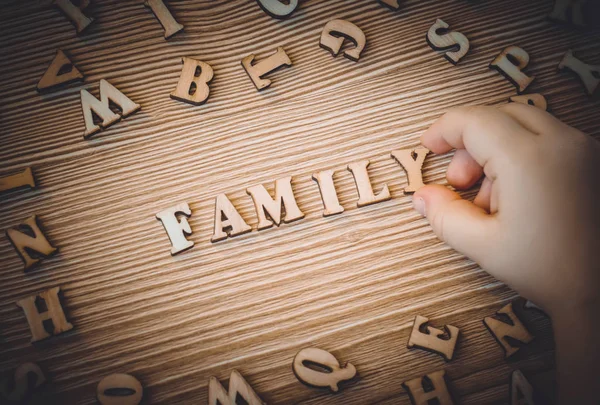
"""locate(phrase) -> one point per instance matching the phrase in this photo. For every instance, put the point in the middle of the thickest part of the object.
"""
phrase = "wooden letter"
(58, 73)
(265, 66)
(23, 384)
(510, 64)
(266, 205)
(432, 339)
(329, 196)
(333, 36)
(277, 8)
(513, 330)
(332, 373)
(193, 88)
(26, 244)
(411, 161)
(165, 17)
(569, 11)
(364, 187)
(393, 4)
(589, 74)
(417, 393)
(119, 389)
(90, 103)
(448, 40)
(75, 14)
(228, 221)
(21, 179)
(536, 100)
(520, 388)
(36, 319)
(217, 395)
(177, 228)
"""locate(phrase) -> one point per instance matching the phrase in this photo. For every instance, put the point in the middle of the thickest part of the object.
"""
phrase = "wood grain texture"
(350, 284)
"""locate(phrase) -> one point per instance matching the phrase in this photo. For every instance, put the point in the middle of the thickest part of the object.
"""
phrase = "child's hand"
(535, 223)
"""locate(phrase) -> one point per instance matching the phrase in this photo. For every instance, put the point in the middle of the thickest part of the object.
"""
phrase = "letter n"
(512, 329)
(217, 395)
(33, 242)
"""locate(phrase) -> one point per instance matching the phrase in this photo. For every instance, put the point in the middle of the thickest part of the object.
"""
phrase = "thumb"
(461, 224)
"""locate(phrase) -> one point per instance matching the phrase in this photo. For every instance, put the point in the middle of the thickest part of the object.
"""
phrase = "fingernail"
(419, 205)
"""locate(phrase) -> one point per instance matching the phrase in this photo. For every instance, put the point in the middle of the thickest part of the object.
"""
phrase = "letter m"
(237, 386)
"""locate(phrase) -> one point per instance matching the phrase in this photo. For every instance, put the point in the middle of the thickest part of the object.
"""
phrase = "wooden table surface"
(351, 284)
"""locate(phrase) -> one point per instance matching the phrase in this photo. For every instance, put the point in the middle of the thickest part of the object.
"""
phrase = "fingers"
(484, 132)
(463, 171)
(484, 197)
(532, 118)
(461, 224)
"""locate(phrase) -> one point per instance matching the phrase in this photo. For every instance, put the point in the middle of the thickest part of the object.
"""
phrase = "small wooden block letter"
(412, 162)
(108, 93)
(419, 396)
(119, 389)
(333, 36)
(393, 4)
(228, 221)
(440, 39)
(265, 66)
(165, 17)
(192, 86)
(22, 179)
(58, 73)
(238, 386)
(366, 196)
(23, 384)
(177, 228)
(265, 205)
(323, 359)
(54, 312)
(432, 339)
(26, 244)
(589, 74)
(502, 330)
(570, 11)
(510, 64)
(520, 388)
(536, 100)
(75, 13)
(278, 8)
(331, 203)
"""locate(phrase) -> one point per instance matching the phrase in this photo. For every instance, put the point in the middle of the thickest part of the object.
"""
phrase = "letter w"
(237, 386)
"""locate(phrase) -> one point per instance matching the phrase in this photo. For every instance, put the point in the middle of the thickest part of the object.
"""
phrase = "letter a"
(512, 71)
(417, 393)
(502, 330)
(192, 88)
(25, 244)
(53, 76)
(36, 319)
(228, 221)
(264, 204)
(445, 42)
(412, 162)
(108, 93)
(177, 228)
(589, 74)
(237, 386)
(265, 66)
(520, 387)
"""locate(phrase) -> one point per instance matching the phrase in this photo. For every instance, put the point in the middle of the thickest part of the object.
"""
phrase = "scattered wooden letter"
(75, 13)
(419, 396)
(447, 41)
(520, 388)
(332, 375)
(58, 73)
(364, 187)
(510, 64)
(514, 330)
(217, 395)
(228, 221)
(393, 4)
(333, 36)
(90, 103)
(569, 11)
(177, 228)
(433, 339)
(193, 88)
(265, 66)
(411, 161)
(26, 244)
(23, 178)
(278, 8)
(27, 378)
(536, 100)
(165, 17)
(54, 312)
(589, 74)
(331, 203)
(119, 389)
(265, 205)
